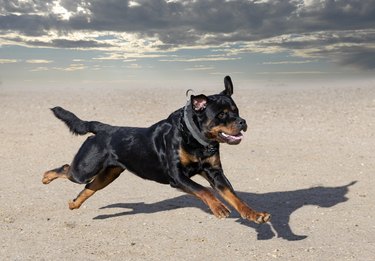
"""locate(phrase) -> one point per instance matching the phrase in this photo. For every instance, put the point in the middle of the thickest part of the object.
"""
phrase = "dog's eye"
(222, 115)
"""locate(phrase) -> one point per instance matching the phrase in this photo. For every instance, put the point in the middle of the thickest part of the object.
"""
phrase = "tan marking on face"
(229, 129)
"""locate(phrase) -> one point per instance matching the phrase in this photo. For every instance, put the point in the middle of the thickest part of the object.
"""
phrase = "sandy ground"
(308, 158)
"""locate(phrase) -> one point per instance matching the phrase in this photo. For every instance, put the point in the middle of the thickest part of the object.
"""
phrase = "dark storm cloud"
(169, 20)
(60, 43)
(356, 56)
(312, 40)
(29, 25)
(189, 23)
(23, 7)
(64, 43)
(263, 19)
(338, 15)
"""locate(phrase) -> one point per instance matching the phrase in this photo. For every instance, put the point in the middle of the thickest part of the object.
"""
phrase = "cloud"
(49, 41)
(201, 59)
(341, 30)
(72, 67)
(39, 69)
(3, 61)
(356, 56)
(36, 61)
(291, 73)
(287, 62)
(347, 47)
(200, 68)
(134, 66)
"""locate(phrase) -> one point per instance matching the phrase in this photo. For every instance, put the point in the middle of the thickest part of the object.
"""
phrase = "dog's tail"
(78, 126)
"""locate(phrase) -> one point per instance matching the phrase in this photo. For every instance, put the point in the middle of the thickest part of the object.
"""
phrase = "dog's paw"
(73, 205)
(262, 217)
(48, 177)
(257, 217)
(219, 210)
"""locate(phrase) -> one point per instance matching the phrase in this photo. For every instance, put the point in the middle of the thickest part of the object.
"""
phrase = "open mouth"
(231, 139)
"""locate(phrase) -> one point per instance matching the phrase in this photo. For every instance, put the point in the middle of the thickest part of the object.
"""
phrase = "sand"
(308, 158)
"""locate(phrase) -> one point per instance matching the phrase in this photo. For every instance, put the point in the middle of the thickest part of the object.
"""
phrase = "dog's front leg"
(189, 186)
(220, 183)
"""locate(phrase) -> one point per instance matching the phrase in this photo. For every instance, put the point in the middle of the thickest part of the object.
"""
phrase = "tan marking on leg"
(51, 175)
(244, 210)
(99, 182)
(82, 197)
(216, 206)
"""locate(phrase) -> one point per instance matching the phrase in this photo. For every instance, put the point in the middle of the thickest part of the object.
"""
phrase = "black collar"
(194, 131)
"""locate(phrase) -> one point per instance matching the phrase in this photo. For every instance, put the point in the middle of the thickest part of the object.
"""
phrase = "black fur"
(167, 152)
(76, 125)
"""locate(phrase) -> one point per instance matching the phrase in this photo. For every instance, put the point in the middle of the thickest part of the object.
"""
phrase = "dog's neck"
(194, 131)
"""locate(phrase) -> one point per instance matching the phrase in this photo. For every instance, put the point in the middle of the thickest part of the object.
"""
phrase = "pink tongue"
(236, 137)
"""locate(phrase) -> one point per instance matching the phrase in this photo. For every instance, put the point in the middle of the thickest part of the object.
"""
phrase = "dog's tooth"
(224, 134)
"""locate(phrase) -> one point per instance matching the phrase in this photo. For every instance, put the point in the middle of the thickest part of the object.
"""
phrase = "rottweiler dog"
(169, 152)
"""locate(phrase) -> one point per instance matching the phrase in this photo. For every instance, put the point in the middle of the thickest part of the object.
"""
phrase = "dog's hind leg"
(103, 179)
(61, 172)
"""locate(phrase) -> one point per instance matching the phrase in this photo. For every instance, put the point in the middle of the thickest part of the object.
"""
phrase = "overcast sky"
(183, 42)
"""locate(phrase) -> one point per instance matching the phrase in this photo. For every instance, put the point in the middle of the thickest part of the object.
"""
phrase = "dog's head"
(217, 116)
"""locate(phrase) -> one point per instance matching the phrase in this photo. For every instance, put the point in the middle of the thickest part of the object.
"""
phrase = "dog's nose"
(242, 124)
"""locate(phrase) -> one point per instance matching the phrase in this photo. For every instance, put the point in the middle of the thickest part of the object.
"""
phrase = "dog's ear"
(228, 86)
(199, 102)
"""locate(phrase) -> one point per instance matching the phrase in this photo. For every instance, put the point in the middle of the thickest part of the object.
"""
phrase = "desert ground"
(308, 158)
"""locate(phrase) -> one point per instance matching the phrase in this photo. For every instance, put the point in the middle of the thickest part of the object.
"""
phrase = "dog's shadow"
(280, 204)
